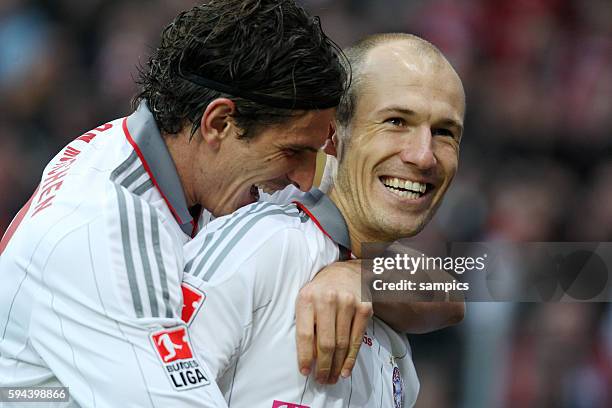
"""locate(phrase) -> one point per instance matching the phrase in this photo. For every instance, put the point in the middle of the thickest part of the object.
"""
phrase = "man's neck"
(182, 156)
(357, 237)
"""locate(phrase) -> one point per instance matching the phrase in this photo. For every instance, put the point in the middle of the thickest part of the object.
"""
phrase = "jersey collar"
(142, 133)
(324, 213)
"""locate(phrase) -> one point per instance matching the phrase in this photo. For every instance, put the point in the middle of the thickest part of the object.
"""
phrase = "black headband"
(282, 103)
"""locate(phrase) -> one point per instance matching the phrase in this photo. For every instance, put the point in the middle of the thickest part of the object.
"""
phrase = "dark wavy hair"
(270, 57)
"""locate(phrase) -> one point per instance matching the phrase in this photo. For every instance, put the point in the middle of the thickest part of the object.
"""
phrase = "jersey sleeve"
(108, 321)
(224, 325)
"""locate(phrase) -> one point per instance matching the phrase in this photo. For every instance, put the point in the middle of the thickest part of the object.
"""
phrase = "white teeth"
(403, 193)
(413, 186)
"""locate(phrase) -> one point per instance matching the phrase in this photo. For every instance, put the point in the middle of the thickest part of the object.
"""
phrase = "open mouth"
(406, 188)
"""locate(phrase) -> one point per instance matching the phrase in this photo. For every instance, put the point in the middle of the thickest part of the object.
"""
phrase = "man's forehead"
(408, 54)
(308, 131)
(406, 58)
(308, 121)
(395, 76)
(443, 99)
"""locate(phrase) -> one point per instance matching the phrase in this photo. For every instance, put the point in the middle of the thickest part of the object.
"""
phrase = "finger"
(344, 319)
(305, 335)
(325, 321)
(360, 323)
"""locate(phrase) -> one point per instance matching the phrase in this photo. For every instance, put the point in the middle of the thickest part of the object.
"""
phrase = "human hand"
(331, 320)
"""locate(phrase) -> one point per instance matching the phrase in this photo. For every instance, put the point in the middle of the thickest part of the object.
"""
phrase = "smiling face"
(403, 148)
(278, 155)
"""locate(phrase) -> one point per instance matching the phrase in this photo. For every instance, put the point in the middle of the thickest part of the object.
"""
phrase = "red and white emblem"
(172, 344)
(192, 301)
(174, 350)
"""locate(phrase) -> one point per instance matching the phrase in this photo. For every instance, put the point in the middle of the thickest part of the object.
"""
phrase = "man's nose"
(303, 175)
(418, 149)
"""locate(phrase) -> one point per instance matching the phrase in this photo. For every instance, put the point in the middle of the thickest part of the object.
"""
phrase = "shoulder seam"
(218, 260)
(132, 175)
(257, 247)
(230, 233)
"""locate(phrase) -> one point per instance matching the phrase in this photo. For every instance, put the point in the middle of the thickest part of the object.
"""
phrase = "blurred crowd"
(536, 158)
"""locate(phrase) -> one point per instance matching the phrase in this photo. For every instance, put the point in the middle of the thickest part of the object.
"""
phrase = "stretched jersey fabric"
(242, 276)
(91, 270)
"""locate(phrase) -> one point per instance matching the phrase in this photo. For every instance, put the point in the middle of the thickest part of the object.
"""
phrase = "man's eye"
(290, 152)
(442, 132)
(396, 121)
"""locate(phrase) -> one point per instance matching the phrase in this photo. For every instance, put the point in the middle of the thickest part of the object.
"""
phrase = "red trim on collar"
(313, 218)
(194, 227)
(148, 170)
(318, 224)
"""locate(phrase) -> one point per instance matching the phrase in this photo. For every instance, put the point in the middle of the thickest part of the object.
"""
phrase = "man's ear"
(332, 141)
(216, 122)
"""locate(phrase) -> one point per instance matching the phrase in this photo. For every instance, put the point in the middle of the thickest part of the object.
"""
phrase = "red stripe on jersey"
(148, 170)
(318, 224)
(313, 218)
(194, 229)
(15, 223)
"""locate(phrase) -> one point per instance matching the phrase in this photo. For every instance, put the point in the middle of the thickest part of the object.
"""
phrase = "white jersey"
(243, 274)
(91, 270)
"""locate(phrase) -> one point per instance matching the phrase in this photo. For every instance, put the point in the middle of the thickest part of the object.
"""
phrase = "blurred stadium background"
(536, 160)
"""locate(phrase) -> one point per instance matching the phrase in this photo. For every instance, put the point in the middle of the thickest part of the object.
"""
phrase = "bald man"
(397, 145)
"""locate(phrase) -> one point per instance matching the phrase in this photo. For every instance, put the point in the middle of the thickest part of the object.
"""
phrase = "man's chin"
(394, 227)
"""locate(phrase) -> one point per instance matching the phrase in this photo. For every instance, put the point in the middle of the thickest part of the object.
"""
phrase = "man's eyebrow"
(408, 112)
(398, 109)
(451, 123)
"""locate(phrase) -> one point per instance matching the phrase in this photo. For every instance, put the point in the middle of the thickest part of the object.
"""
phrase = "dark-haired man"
(239, 94)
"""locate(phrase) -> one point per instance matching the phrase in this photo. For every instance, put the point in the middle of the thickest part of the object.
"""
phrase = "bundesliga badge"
(174, 349)
(398, 388)
(192, 300)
